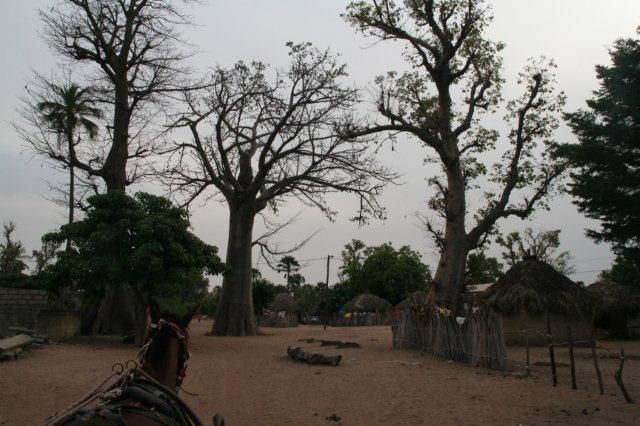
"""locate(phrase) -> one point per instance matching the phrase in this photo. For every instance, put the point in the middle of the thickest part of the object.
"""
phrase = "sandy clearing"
(251, 382)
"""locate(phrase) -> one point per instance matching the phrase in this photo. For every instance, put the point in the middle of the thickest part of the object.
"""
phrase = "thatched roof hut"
(614, 304)
(613, 297)
(417, 298)
(535, 287)
(284, 302)
(366, 302)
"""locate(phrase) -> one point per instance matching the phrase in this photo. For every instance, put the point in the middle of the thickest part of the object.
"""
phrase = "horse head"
(165, 352)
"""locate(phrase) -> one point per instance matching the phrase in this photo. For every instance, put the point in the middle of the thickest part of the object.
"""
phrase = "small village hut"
(530, 291)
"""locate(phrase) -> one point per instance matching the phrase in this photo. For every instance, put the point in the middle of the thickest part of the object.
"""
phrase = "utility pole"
(326, 295)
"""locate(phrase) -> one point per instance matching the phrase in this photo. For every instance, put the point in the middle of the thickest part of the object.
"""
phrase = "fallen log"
(297, 354)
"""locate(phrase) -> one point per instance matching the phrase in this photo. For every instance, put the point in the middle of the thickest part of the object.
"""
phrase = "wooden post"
(572, 360)
(552, 357)
(595, 362)
(523, 317)
(618, 377)
(526, 342)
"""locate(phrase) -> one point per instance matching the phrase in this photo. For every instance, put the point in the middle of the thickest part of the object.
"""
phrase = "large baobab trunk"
(234, 316)
(116, 308)
(449, 277)
(115, 314)
(115, 165)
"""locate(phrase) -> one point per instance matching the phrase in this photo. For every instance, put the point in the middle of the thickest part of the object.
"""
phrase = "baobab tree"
(134, 56)
(454, 82)
(258, 141)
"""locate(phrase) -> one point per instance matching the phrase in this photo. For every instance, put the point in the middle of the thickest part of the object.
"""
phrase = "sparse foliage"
(134, 57)
(45, 255)
(541, 245)
(59, 124)
(445, 46)
(257, 141)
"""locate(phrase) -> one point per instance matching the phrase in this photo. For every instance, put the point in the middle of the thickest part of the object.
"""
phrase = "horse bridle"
(182, 335)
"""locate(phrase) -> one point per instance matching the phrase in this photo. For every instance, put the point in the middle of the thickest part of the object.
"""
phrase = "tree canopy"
(624, 271)
(606, 159)
(384, 271)
(482, 269)
(541, 245)
(455, 80)
(142, 241)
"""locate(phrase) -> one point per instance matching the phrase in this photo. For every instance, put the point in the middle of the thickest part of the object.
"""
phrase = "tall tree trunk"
(234, 315)
(72, 189)
(116, 309)
(115, 165)
(115, 315)
(449, 277)
(72, 200)
(141, 322)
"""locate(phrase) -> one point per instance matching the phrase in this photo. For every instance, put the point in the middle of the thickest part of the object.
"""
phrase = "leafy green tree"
(542, 245)
(295, 282)
(143, 242)
(45, 255)
(352, 257)
(393, 274)
(264, 292)
(309, 298)
(340, 294)
(384, 271)
(482, 269)
(210, 302)
(624, 271)
(454, 79)
(12, 253)
(606, 159)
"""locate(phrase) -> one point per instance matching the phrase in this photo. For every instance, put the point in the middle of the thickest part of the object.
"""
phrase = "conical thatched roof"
(418, 298)
(535, 287)
(613, 297)
(284, 302)
(366, 302)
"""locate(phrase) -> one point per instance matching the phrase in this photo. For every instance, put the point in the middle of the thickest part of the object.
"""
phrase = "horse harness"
(135, 392)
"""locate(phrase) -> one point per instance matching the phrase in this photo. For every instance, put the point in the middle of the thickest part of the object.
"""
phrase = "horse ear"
(154, 311)
(186, 319)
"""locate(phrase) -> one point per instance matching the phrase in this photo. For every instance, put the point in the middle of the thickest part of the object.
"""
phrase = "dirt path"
(252, 382)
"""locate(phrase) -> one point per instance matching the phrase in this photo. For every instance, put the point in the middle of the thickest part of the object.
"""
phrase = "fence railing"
(361, 319)
(278, 321)
(478, 340)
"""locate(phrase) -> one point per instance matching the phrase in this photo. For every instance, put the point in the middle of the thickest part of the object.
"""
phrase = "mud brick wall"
(58, 324)
(20, 307)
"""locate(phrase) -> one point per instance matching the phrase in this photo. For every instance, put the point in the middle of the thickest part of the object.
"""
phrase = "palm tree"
(288, 264)
(12, 253)
(69, 110)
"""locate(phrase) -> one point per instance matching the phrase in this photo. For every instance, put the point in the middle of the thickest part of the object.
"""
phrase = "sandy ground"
(251, 382)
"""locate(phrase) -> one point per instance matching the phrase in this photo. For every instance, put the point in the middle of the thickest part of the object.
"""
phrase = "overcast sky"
(576, 33)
